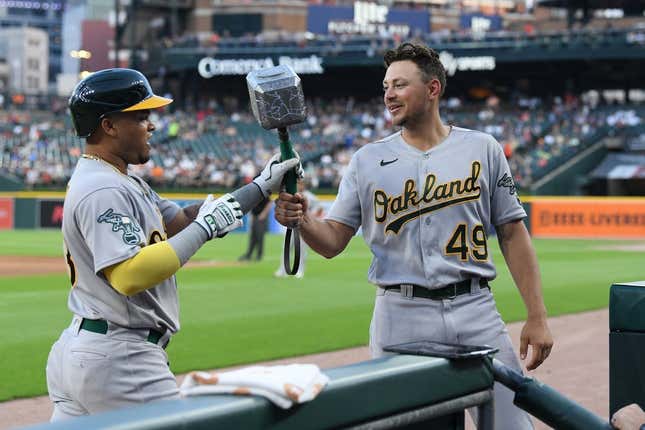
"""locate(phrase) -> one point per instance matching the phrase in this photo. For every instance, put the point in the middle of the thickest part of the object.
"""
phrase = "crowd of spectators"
(375, 44)
(241, 146)
(220, 146)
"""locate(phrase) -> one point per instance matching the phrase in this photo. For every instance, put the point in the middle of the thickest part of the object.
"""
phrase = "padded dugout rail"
(432, 391)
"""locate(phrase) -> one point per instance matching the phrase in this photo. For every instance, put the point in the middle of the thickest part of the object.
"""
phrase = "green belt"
(101, 327)
(448, 292)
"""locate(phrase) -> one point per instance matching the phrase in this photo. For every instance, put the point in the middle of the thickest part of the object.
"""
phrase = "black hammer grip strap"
(291, 269)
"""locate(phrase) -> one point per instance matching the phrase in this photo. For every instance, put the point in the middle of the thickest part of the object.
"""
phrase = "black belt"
(101, 327)
(448, 292)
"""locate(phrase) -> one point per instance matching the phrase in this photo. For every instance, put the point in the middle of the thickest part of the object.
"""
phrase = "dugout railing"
(400, 391)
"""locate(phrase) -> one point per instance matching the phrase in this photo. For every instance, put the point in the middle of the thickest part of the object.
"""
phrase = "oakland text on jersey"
(442, 195)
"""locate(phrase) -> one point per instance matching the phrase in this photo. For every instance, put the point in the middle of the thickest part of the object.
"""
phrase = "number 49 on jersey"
(465, 242)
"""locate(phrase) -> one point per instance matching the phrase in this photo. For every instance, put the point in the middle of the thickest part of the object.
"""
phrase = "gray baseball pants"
(470, 319)
(90, 372)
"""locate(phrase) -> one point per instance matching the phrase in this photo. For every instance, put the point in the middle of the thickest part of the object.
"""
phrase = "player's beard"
(400, 120)
(144, 158)
(141, 156)
(144, 155)
(411, 119)
(406, 118)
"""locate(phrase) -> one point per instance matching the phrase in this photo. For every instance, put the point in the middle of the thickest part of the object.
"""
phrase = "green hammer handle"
(286, 152)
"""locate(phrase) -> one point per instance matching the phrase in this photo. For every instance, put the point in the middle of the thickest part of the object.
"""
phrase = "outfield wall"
(587, 217)
(571, 217)
(32, 209)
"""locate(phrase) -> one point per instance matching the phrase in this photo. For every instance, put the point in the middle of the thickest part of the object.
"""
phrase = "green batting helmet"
(108, 91)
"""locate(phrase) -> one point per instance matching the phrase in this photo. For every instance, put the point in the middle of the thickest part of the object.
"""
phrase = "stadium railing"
(349, 46)
(399, 390)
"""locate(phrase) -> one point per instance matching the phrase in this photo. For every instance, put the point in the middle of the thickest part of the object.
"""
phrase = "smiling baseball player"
(426, 198)
(123, 245)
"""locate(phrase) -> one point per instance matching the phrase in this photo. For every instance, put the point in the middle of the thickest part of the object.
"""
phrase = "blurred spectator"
(220, 145)
(259, 221)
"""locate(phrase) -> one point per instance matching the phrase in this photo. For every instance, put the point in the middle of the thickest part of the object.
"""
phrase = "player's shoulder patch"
(506, 181)
(121, 223)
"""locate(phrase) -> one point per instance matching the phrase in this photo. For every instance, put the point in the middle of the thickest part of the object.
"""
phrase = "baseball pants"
(468, 319)
(90, 372)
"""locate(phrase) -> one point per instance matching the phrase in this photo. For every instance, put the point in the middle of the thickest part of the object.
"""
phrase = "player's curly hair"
(426, 59)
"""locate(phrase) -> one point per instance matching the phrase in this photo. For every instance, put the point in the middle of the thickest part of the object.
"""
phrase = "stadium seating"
(214, 149)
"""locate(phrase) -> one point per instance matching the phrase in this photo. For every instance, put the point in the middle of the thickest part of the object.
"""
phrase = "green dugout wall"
(626, 345)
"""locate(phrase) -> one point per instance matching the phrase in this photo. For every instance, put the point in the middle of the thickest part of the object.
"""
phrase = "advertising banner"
(51, 213)
(588, 218)
(6, 214)
(480, 23)
(367, 18)
(209, 67)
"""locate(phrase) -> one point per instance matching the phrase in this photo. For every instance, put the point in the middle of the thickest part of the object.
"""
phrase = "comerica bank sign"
(209, 67)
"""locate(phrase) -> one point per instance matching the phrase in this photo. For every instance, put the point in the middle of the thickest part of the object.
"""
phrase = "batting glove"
(218, 217)
(271, 176)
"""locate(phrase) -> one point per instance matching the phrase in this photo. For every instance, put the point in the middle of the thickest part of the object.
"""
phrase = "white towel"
(282, 385)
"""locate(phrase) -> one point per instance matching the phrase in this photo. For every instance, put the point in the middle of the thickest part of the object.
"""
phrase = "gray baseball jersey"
(425, 215)
(107, 218)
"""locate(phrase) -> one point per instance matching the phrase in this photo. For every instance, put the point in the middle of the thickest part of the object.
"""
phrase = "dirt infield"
(27, 265)
(578, 368)
(14, 265)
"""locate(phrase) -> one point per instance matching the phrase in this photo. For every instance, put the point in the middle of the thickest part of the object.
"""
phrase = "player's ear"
(107, 126)
(434, 88)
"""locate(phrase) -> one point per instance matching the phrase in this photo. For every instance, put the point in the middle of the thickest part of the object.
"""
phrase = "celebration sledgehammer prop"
(277, 101)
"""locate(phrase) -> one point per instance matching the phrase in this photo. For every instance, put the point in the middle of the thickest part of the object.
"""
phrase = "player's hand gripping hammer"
(277, 101)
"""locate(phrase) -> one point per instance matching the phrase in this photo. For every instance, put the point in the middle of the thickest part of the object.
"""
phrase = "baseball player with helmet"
(123, 244)
(426, 198)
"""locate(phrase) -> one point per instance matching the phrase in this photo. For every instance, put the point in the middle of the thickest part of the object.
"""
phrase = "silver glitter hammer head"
(276, 96)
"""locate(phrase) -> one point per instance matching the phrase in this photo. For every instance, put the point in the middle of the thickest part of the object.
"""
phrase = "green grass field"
(242, 314)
